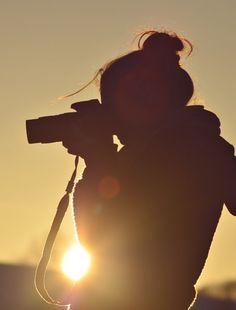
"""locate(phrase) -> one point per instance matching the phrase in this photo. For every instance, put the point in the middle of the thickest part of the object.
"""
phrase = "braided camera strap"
(40, 273)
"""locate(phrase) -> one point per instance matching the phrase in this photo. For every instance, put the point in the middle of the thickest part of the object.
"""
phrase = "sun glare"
(76, 262)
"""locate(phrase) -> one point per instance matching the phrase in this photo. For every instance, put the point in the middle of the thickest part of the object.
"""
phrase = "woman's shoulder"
(188, 125)
(191, 136)
(192, 118)
(198, 116)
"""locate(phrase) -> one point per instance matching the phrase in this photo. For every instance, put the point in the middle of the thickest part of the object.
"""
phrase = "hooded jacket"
(170, 189)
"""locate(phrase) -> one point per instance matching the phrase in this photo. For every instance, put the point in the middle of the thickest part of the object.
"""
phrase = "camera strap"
(40, 273)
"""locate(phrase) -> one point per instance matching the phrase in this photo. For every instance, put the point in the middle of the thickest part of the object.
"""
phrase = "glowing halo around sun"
(76, 262)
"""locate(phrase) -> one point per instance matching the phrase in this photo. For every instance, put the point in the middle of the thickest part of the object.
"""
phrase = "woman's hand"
(93, 136)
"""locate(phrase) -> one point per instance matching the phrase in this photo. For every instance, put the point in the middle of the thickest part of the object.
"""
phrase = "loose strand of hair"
(99, 72)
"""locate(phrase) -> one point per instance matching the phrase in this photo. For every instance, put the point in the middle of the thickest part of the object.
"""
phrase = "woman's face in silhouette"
(141, 99)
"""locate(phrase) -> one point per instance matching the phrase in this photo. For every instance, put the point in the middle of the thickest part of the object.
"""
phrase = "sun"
(76, 262)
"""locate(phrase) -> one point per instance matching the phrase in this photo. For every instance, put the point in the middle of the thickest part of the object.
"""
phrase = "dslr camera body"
(89, 117)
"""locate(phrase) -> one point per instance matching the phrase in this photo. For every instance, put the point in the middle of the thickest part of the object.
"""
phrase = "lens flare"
(76, 262)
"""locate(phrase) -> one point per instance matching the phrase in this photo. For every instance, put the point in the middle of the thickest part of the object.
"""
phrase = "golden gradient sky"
(51, 47)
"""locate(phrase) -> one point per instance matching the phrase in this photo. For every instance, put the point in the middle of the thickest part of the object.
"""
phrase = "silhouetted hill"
(217, 297)
(209, 303)
(18, 293)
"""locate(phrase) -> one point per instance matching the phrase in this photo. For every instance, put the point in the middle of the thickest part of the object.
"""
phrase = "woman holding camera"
(148, 212)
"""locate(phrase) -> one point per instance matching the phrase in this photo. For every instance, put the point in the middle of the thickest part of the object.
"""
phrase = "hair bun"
(163, 41)
(161, 45)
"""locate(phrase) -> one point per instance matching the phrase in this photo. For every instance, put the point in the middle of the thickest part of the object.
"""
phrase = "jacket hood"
(193, 118)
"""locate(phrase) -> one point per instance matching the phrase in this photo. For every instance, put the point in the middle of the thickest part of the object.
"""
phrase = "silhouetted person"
(148, 213)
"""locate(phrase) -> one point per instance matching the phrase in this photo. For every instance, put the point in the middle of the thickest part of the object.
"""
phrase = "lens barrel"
(50, 129)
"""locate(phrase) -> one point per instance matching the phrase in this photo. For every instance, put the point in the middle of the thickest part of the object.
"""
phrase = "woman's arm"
(229, 176)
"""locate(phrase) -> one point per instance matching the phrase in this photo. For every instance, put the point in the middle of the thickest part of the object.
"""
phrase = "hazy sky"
(49, 48)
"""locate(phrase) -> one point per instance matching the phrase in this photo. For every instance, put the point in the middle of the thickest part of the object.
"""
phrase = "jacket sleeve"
(92, 196)
(229, 175)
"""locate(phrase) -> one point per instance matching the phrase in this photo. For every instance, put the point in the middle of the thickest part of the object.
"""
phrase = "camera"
(59, 128)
